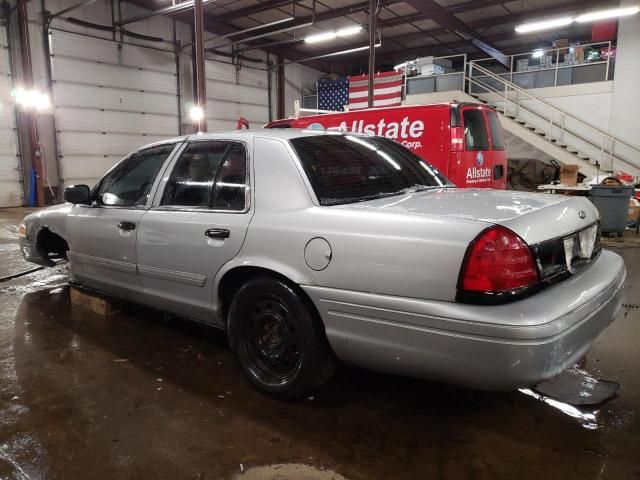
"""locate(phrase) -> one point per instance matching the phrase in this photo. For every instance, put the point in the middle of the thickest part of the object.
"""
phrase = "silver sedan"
(308, 246)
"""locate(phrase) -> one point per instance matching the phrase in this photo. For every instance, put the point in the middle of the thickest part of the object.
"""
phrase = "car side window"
(208, 175)
(130, 182)
(475, 130)
(231, 181)
(497, 136)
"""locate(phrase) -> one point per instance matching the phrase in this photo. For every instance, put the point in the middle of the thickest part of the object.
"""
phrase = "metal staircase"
(557, 133)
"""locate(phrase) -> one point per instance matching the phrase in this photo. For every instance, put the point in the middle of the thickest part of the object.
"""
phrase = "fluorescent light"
(537, 53)
(196, 113)
(320, 37)
(345, 32)
(351, 50)
(610, 13)
(544, 25)
(324, 36)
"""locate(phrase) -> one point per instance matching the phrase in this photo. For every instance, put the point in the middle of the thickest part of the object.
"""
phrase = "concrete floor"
(146, 395)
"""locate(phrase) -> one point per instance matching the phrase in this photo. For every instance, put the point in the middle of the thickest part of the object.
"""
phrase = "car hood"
(534, 216)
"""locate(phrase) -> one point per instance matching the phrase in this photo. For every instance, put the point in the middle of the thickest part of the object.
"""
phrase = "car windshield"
(348, 168)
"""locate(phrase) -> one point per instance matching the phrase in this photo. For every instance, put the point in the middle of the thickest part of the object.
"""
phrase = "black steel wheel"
(277, 338)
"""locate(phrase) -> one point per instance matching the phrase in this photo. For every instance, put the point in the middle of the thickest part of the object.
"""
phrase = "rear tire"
(278, 340)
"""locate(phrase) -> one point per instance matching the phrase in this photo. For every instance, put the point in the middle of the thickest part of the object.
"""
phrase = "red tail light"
(498, 266)
(457, 139)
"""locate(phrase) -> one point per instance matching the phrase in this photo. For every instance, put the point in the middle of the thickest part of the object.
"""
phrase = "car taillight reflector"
(457, 139)
(498, 261)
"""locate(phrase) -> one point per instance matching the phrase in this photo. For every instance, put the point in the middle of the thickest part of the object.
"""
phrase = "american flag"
(387, 90)
(333, 94)
(353, 91)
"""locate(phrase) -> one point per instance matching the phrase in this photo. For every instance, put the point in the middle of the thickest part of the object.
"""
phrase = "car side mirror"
(77, 194)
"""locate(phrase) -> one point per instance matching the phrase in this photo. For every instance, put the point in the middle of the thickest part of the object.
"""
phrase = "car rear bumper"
(500, 347)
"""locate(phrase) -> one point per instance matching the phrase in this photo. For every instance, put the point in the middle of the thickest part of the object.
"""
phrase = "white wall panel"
(231, 111)
(240, 93)
(93, 73)
(232, 94)
(109, 102)
(98, 121)
(81, 168)
(86, 145)
(299, 79)
(89, 96)
(134, 56)
(11, 192)
(82, 46)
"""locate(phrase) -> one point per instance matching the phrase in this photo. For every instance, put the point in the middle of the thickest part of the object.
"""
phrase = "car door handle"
(127, 226)
(219, 233)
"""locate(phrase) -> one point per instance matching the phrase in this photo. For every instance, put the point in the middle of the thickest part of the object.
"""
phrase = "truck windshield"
(347, 168)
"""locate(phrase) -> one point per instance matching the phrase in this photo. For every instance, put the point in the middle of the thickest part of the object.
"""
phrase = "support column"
(30, 116)
(373, 20)
(201, 83)
(280, 87)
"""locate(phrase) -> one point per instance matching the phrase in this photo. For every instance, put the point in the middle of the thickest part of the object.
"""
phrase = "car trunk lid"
(533, 216)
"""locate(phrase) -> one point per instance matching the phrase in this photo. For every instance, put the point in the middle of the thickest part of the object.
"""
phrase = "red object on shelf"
(604, 30)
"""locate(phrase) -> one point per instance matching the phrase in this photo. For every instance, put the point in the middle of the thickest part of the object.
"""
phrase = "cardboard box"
(562, 44)
(569, 175)
(634, 210)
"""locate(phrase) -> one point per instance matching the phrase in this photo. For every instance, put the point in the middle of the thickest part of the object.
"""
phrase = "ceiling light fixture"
(604, 14)
(537, 53)
(320, 37)
(346, 32)
(583, 18)
(351, 50)
(544, 25)
(324, 36)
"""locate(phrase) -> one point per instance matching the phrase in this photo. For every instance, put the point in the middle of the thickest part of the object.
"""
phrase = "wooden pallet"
(93, 302)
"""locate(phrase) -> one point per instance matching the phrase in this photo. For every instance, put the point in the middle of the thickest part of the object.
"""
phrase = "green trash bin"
(613, 203)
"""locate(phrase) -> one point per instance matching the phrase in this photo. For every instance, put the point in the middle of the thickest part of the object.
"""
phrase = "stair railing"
(607, 144)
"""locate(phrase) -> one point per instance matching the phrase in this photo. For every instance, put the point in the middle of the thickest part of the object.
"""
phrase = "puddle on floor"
(286, 471)
(576, 393)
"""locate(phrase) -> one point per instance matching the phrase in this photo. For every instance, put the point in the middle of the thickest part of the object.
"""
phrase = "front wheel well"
(231, 282)
(51, 245)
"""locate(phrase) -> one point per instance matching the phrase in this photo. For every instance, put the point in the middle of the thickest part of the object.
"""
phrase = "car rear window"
(496, 131)
(475, 130)
(347, 169)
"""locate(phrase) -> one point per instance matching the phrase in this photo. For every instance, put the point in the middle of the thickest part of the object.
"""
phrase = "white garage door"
(233, 94)
(11, 192)
(109, 99)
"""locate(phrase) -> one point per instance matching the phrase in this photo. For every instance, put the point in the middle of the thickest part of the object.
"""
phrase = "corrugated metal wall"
(109, 99)
(233, 93)
(11, 192)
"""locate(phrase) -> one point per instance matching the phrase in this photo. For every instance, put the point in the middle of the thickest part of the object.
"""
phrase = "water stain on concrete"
(291, 471)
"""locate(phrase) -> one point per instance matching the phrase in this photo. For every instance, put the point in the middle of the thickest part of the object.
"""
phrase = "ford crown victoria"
(310, 246)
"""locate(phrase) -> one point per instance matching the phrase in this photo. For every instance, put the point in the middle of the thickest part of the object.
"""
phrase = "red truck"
(462, 140)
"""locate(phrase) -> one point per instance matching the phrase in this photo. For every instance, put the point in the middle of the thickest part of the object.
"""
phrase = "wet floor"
(143, 395)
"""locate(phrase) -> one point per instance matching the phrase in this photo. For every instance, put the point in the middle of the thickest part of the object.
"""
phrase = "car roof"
(279, 133)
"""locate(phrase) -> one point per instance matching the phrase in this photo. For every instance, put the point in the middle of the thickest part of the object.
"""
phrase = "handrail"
(495, 90)
(492, 89)
(545, 50)
(510, 85)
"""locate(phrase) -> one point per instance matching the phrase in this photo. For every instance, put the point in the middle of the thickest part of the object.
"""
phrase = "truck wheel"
(277, 340)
